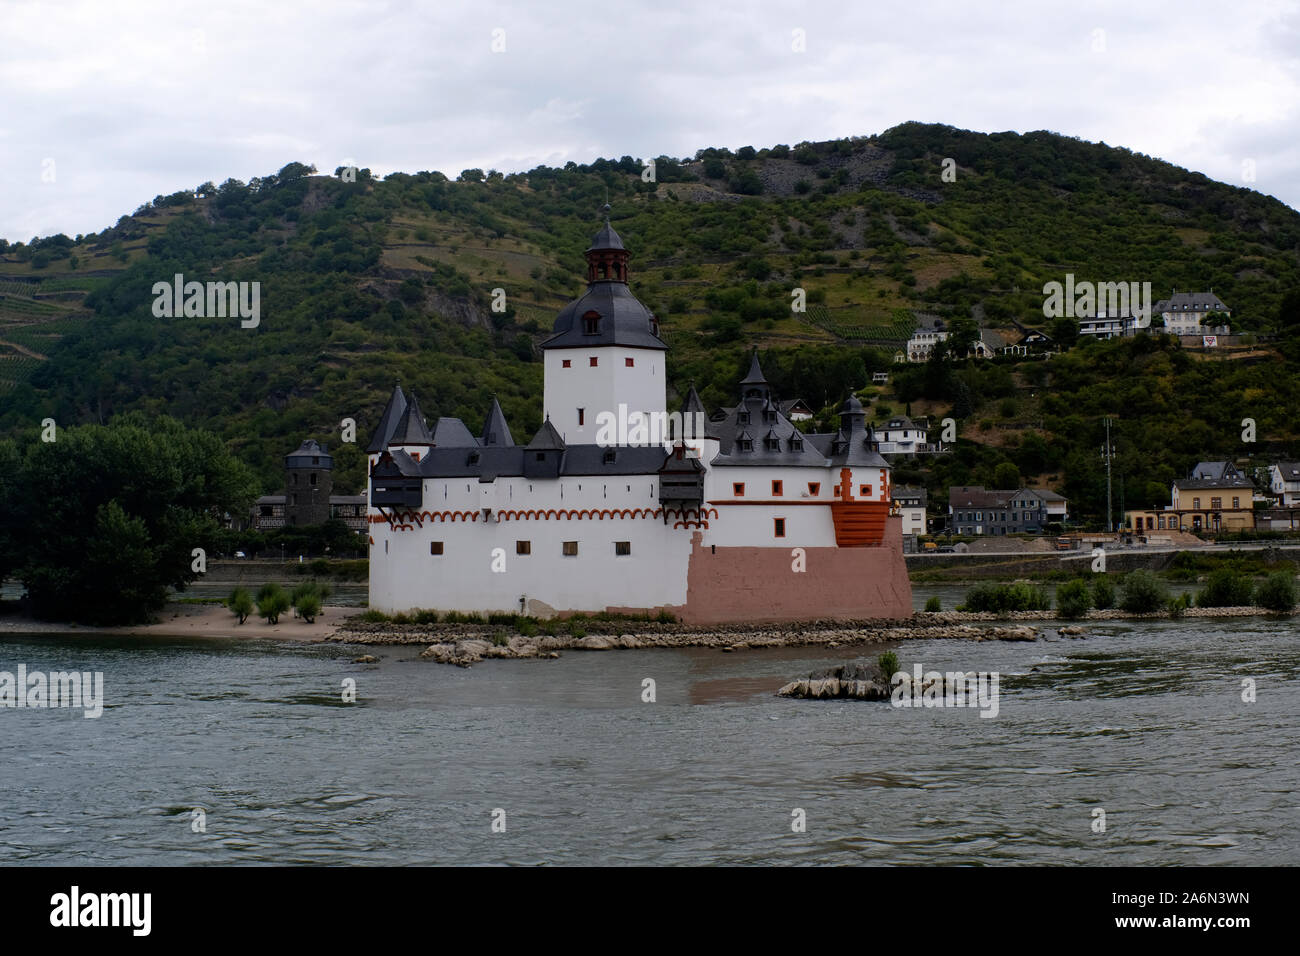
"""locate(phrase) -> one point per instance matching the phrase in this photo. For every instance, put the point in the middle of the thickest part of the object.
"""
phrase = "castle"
(740, 519)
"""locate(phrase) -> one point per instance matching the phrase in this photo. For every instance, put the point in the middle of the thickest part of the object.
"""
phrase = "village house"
(910, 502)
(1215, 496)
(1184, 313)
(974, 510)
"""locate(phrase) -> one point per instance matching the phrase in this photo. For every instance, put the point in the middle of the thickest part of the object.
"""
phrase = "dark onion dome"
(607, 313)
(310, 454)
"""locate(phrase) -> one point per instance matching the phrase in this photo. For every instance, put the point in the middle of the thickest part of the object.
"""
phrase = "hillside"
(370, 282)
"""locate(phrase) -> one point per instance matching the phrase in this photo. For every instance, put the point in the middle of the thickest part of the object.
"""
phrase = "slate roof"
(303, 455)
(388, 421)
(1290, 470)
(908, 493)
(1190, 302)
(1215, 469)
(623, 319)
(1209, 484)
(452, 433)
(411, 428)
(547, 438)
(495, 430)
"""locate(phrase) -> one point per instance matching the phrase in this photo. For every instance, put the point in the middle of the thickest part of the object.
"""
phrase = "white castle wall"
(641, 387)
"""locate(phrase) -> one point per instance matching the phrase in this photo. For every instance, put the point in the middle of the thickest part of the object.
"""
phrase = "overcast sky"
(105, 104)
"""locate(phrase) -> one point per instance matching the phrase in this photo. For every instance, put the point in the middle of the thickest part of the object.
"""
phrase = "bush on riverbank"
(272, 601)
(1073, 599)
(1000, 598)
(240, 603)
(1142, 593)
(1103, 593)
(933, 605)
(1226, 588)
(1277, 593)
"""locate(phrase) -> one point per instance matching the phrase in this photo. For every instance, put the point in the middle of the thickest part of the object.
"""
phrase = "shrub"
(1103, 593)
(374, 617)
(888, 663)
(1073, 599)
(1277, 593)
(933, 604)
(309, 607)
(1226, 588)
(1177, 605)
(1142, 593)
(500, 638)
(424, 616)
(272, 602)
(576, 629)
(527, 627)
(1000, 598)
(241, 603)
(462, 617)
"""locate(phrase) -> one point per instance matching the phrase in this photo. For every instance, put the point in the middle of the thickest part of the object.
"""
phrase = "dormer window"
(769, 416)
(591, 323)
(772, 443)
(746, 444)
(796, 443)
(742, 418)
(608, 457)
(473, 458)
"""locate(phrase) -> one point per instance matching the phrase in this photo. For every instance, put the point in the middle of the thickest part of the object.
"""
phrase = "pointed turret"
(411, 428)
(546, 439)
(755, 385)
(496, 433)
(388, 421)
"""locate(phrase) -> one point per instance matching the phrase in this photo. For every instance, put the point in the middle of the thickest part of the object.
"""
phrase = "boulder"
(594, 642)
(365, 659)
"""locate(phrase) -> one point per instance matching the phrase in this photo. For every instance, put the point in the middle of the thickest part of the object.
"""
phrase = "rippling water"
(1143, 720)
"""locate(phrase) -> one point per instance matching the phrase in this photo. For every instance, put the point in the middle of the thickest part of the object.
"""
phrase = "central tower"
(605, 350)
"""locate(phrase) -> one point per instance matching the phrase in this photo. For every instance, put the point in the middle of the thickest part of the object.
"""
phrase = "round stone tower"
(308, 484)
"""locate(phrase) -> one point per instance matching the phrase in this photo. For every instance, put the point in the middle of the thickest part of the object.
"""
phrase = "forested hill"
(365, 283)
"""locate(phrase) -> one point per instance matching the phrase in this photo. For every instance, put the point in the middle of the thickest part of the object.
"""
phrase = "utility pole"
(1108, 452)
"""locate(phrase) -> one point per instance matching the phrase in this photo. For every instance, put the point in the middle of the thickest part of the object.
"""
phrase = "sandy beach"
(197, 620)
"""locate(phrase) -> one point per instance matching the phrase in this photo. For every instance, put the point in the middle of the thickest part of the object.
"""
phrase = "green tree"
(240, 603)
(272, 601)
(108, 516)
(1073, 599)
(1277, 592)
(963, 333)
(1226, 588)
(1142, 592)
(1006, 475)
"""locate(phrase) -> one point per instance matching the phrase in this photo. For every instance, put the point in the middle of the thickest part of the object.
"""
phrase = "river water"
(1142, 720)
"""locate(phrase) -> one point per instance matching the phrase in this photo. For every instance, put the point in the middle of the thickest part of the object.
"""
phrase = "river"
(1142, 720)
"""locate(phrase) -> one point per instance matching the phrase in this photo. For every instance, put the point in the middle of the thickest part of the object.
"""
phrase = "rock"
(1019, 632)
(553, 656)
(441, 653)
(1072, 630)
(594, 642)
(365, 659)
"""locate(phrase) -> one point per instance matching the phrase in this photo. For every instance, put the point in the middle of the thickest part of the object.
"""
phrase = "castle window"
(570, 549)
(591, 323)
(742, 418)
(582, 416)
(541, 456)
(608, 458)
(435, 547)
(772, 443)
(473, 460)
(629, 362)
(796, 443)
(864, 491)
(777, 488)
(566, 363)
(622, 547)
(593, 361)
(778, 527)
(523, 547)
(313, 479)
(746, 444)
(814, 488)
(738, 489)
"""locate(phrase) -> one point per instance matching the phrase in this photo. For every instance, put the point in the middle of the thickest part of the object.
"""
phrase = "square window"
(435, 547)
(622, 547)
(814, 488)
(778, 527)
(523, 547)
(592, 360)
(777, 489)
(566, 363)
(541, 456)
(629, 362)
(738, 489)
(864, 491)
(570, 549)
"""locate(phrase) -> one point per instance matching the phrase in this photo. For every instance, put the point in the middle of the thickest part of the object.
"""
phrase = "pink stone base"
(758, 584)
